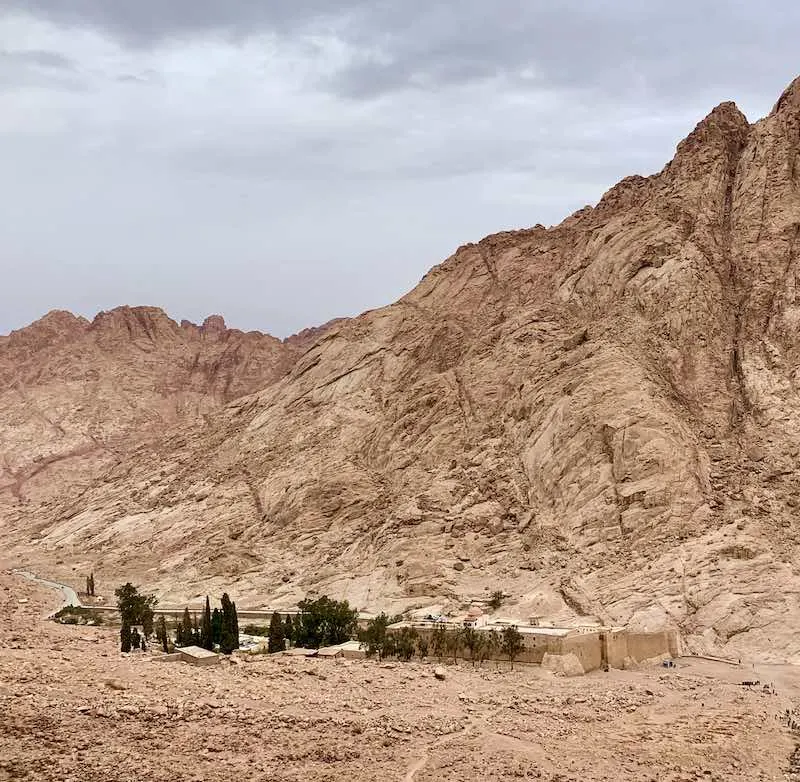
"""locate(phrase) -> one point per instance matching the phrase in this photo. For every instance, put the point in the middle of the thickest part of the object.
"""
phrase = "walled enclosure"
(616, 648)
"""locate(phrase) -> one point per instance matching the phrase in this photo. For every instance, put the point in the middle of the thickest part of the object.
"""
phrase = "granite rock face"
(600, 418)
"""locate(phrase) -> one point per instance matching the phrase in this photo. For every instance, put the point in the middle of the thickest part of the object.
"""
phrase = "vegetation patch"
(76, 615)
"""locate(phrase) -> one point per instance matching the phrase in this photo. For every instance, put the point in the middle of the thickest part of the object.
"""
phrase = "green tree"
(323, 622)
(439, 641)
(373, 637)
(146, 615)
(135, 608)
(125, 637)
(406, 643)
(186, 628)
(216, 627)
(195, 630)
(229, 634)
(390, 645)
(422, 646)
(288, 630)
(91, 584)
(511, 644)
(161, 633)
(492, 646)
(486, 649)
(497, 598)
(471, 640)
(276, 643)
(206, 632)
(128, 603)
(453, 644)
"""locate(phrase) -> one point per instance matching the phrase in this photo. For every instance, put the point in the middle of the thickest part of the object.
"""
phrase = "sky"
(284, 162)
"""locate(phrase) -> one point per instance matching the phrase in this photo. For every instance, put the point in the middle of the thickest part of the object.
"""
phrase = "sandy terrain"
(73, 708)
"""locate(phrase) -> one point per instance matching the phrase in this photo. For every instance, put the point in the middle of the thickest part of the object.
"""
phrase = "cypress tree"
(91, 584)
(125, 637)
(161, 633)
(186, 628)
(288, 629)
(195, 630)
(229, 639)
(276, 643)
(206, 635)
(216, 627)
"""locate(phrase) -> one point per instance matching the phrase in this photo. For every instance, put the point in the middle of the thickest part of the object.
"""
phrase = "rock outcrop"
(601, 418)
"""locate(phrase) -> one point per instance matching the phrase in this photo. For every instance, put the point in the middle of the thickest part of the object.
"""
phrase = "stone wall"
(646, 646)
(586, 647)
(617, 649)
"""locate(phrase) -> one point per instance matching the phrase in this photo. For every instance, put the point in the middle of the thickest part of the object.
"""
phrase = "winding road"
(70, 595)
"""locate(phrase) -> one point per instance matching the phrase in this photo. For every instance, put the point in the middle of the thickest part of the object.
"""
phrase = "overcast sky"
(283, 162)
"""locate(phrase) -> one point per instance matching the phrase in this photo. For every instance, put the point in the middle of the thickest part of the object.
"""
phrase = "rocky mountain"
(76, 397)
(601, 418)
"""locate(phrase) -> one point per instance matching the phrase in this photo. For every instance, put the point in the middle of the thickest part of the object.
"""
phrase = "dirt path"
(421, 762)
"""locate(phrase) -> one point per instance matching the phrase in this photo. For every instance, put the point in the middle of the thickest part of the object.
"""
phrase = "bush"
(75, 615)
(496, 600)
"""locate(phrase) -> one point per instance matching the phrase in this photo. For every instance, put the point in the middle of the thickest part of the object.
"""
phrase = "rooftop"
(196, 651)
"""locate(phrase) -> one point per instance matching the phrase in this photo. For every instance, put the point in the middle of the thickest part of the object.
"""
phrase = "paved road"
(70, 595)
(71, 599)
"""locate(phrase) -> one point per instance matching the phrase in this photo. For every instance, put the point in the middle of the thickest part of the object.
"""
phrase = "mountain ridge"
(599, 418)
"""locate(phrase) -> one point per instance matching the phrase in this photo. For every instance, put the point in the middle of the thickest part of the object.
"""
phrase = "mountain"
(601, 418)
(78, 396)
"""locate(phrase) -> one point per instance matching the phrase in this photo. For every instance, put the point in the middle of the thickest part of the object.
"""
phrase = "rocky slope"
(602, 418)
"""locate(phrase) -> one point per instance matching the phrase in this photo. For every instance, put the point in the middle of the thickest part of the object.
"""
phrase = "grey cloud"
(38, 68)
(611, 49)
(145, 22)
(36, 58)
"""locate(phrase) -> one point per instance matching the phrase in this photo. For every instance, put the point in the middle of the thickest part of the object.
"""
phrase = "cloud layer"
(287, 162)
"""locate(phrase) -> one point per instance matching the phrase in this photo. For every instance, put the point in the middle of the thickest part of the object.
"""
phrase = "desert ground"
(73, 708)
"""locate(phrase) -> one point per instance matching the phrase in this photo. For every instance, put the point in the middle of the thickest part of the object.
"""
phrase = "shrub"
(75, 615)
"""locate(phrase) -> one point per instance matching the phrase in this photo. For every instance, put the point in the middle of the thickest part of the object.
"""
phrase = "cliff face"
(601, 418)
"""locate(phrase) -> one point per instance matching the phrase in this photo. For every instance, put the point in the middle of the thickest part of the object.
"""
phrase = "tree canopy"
(373, 638)
(276, 634)
(229, 632)
(511, 644)
(323, 622)
(134, 609)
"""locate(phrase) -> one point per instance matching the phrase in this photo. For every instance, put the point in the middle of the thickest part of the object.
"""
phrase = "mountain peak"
(213, 324)
(789, 100)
